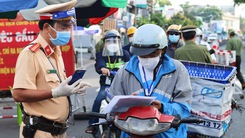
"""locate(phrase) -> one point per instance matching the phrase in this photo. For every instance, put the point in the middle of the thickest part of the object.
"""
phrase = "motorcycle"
(104, 103)
(140, 121)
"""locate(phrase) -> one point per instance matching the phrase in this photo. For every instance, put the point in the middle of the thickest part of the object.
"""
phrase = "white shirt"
(203, 43)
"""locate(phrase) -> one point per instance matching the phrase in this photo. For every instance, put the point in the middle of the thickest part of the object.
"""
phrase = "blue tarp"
(17, 5)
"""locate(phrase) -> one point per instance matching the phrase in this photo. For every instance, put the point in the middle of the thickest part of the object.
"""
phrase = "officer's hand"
(83, 88)
(66, 90)
(157, 104)
(105, 71)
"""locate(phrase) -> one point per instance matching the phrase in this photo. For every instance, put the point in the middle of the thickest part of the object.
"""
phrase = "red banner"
(14, 36)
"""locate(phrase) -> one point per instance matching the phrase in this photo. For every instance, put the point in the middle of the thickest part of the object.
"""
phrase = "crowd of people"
(147, 66)
(155, 54)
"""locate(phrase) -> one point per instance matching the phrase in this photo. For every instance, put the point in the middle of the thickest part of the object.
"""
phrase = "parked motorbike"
(140, 121)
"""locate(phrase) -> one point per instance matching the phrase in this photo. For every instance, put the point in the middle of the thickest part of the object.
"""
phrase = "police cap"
(61, 11)
(188, 28)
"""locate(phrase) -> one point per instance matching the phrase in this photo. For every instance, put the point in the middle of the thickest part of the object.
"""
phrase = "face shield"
(112, 47)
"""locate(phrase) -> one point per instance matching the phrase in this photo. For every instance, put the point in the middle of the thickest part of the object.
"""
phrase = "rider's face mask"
(130, 39)
(174, 38)
(112, 47)
(149, 63)
(62, 37)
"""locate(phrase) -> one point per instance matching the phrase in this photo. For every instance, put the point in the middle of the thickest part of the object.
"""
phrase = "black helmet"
(112, 33)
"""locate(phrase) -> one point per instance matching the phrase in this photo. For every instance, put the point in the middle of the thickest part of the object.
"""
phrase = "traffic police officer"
(192, 51)
(40, 82)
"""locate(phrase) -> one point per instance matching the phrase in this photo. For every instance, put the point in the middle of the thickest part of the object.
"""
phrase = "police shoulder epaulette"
(35, 47)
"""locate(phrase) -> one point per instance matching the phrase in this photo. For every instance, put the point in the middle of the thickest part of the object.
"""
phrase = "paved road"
(9, 127)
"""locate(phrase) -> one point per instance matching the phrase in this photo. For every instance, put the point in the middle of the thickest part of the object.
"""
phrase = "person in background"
(200, 41)
(111, 58)
(99, 46)
(40, 82)
(235, 43)
(130, 33)
(151, 72)
(174, 39)
(192, 51)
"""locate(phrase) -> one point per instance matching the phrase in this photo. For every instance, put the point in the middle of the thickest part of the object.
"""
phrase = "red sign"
(14, 36)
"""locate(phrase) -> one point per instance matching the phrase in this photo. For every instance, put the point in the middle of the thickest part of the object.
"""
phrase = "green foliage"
(209, 13)
(188, 18)
(206, 12)
(155, 18)
(187, 11)
(242, 25)
(143, 21)
(238, 2)
(158, 19)
(180, 19)
(163, 2)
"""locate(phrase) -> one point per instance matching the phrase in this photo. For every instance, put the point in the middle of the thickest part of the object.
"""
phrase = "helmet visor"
(142, 50)
(112, 47)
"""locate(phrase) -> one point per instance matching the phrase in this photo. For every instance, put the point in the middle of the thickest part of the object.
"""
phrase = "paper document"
(123, 102)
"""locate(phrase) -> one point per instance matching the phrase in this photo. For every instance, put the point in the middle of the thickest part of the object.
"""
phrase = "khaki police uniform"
(38, 67)
(34, 71)
(192, 51)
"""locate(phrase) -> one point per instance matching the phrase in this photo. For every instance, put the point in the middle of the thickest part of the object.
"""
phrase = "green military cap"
(188, 28)
(231, 31)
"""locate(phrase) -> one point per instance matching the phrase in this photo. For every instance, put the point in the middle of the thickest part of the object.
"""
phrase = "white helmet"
(198, 31)
(147, 39)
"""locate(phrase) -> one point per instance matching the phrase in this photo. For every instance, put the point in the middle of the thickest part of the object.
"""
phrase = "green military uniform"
(192, 51)
(235, 43)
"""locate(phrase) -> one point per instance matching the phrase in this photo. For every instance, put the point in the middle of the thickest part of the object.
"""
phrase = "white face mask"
(149, 63)
(112, 48)
(130, 39)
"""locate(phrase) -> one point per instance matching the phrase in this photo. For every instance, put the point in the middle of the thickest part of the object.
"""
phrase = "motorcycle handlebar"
(98, 115)
(192, 121)
(113, 73)
(177, 122)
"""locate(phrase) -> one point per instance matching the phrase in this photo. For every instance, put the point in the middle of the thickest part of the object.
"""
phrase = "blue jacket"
(172, 87)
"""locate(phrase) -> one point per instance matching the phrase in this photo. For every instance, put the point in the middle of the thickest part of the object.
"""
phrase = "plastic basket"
(214, 72)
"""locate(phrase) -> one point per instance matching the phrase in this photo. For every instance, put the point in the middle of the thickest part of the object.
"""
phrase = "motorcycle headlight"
(141, 127)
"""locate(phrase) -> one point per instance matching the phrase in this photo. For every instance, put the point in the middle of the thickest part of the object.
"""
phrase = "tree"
(242, 25)
(155, 18)
(209, 13)
(164, 2)
(206, 12)
(151, 3)
(181, 19)
(188, 11)
(238, 2)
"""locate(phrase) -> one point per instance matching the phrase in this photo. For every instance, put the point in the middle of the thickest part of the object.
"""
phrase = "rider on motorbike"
(151, 72)
(174, 39)
(110, 59)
